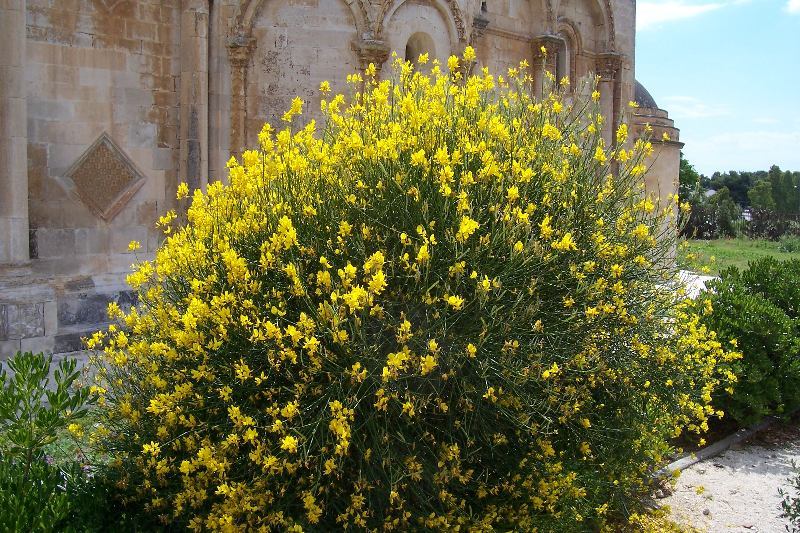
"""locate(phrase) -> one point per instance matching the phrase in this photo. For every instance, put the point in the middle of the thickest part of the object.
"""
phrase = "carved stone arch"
(249, 9)
(241, 45)
(606, 12)
(568, 31)
(450, 11)
(567, 27)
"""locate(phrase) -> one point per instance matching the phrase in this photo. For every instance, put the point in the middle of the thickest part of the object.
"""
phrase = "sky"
(728, 73)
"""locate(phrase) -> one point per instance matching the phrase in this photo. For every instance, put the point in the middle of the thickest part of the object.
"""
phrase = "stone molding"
(88, 178)
(372, 51)
(608, 65)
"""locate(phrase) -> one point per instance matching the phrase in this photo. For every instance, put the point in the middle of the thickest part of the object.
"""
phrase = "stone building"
(107, 105)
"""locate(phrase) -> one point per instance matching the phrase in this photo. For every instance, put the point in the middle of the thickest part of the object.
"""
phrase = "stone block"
(122, 237)
(38, 344)
(53, 243)
(49, 109)
(69, 342)
(9, 348)
(163, 159)
(98, 77)
(21, 321)
(91, 241)
(89, 309)
(50, 318)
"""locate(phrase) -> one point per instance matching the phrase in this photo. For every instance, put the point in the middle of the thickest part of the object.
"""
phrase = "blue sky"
(728, 72)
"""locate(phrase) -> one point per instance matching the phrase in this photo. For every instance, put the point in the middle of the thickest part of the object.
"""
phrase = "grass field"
(720, 254)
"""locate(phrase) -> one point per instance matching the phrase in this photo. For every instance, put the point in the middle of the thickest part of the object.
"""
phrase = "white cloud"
(652, 13)
(689, 107)
(793, 6)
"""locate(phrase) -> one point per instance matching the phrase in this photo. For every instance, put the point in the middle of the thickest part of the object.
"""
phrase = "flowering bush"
(442, 310)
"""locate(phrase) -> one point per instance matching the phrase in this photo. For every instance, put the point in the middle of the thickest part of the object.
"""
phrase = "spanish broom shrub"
(444, 309)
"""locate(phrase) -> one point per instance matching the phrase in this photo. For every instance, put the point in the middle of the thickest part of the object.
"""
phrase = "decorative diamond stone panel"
(105, 178)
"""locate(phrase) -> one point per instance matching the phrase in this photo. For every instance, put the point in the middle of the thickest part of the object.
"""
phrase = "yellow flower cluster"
(441, 311)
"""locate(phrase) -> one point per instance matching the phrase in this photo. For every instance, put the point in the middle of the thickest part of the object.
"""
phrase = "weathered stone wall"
(298, 45)
(125, 98)
(95, 67)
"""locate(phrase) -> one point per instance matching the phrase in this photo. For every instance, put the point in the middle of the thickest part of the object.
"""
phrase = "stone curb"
(715, 449)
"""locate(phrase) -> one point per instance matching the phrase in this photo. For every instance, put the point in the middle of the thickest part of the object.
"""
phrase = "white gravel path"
(738, 490)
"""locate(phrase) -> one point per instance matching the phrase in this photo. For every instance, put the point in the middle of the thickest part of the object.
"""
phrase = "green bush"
(790, 503)
(776, 281)
(757, 308)
(789, 244)
(35, 495)
(444, 311)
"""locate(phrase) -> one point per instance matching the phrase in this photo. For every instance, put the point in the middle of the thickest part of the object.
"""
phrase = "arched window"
(564, 59)
(418, 44)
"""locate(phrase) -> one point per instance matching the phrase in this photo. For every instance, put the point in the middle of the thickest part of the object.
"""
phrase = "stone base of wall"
(53, 315)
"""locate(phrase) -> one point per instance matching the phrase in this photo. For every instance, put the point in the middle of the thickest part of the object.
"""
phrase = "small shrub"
(776, 281)
(789, 244)
(758, 309)
(33, 493)
(443, 312)
(791, 501)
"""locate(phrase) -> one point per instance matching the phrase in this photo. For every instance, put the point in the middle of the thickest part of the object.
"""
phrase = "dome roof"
(642, 97)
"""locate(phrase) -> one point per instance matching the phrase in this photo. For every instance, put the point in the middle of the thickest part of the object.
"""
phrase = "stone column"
(240, 48)
(13, 135)
(545, 49)
(608, 67)
(194, 94)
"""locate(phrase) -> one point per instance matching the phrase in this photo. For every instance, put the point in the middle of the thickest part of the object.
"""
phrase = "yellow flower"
(423, 256)
(427, 364)
(471, 350)
(512, 194)
(469, 54)
(325, 87)
(289, 443)
(551, 132)
(566, 243)
(456, 302)
(378, 283)
(183, 191)
(152, 448)
(452, 63)
(466, 228)
(295, 109)
(134, 245)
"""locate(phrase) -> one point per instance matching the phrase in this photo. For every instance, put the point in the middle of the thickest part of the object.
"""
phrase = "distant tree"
(738, 183)
(785, 190)
(761, 196)
(688, 180)
(726, 212)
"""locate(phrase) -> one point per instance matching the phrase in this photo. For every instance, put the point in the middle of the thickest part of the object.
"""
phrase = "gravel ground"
(738, 490)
